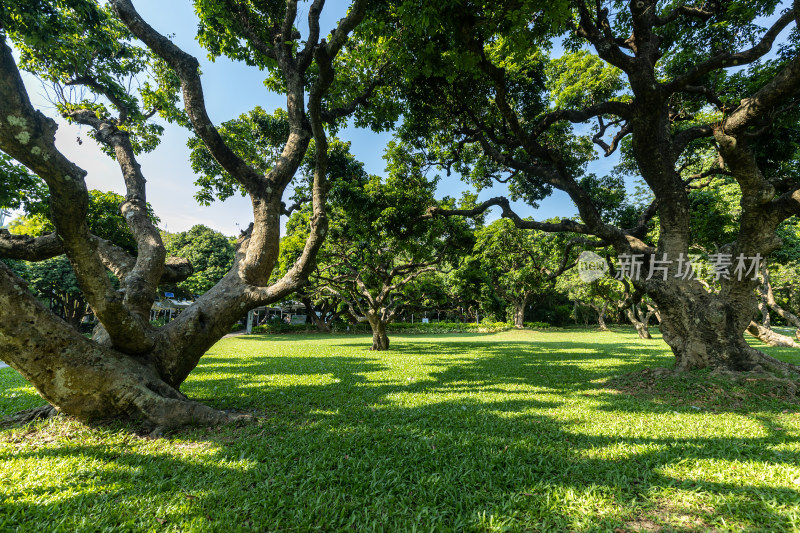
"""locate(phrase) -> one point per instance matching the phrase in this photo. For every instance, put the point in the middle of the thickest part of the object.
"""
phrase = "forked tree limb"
(29, 137)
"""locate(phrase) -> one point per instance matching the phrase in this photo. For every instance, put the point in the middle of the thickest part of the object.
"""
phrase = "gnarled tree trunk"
(81, 377)
(768, 297)
(130, 368)
(380, 341)
(601, 311)
(704, 330)
(319, 321)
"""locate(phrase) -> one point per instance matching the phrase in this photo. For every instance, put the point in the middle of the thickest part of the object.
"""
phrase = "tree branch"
(727, 59)
(507, 212)
(29, 137)
(187, 69)
(27, 248)
(692, 12)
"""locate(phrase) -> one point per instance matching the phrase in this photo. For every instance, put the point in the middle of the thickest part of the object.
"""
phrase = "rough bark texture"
(380, 341)
(130, 368)
(704, 328)
(705, 331)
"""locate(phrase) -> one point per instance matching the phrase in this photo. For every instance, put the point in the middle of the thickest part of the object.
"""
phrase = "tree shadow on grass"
(465, 439)
(556, 367)
(440, 465)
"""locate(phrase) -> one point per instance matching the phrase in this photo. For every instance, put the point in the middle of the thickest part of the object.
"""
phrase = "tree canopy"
(662, 83)
(113, 73)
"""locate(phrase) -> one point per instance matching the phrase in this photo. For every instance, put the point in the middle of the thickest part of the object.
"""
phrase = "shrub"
(447, 327)
(536, 325)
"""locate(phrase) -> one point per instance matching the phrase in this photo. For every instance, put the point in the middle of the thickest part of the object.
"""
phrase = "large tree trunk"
(81, 377)
(519, 314)
(380, 341)
(130, 368)
(705, 330)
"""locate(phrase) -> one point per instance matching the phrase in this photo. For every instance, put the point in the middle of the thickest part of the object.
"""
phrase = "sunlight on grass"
(512, 431)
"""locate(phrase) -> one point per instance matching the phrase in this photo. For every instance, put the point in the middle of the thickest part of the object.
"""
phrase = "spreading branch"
(727, 59)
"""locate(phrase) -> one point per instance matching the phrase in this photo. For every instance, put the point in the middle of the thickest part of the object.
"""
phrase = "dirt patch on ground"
(705, 390)
(666, 517)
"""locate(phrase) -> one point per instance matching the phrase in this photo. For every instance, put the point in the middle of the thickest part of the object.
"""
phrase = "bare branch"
(361, 100)
(101, 89)
(604, 42)
(621, 134)
(576, 116)
(710, 96)
(305, 57)
(507, 212)
(683, 138)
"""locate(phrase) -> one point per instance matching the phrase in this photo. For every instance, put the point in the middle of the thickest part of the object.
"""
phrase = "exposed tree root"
(29, 415)
(167, 408)
(766, 364)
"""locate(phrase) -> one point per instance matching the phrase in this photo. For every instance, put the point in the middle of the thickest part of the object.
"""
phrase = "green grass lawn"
(515, 431)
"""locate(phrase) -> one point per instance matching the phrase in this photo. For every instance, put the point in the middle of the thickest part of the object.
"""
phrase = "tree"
(783, 268)
(129, 74)
(483, 96)
(598, 294)
(469, 289)
(322, 308)
(609, 293)
(787, 283)
(210, 252)
(519, 264)
(380, 242)
(53, 279)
